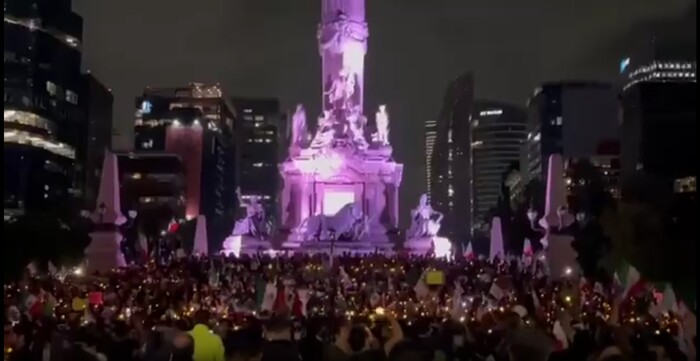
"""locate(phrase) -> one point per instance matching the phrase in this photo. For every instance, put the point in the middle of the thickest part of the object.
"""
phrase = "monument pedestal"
(240, 245)
(103, 253)
(352, 247)
(419, 246)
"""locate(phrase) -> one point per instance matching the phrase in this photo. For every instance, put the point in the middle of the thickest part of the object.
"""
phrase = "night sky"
(268, 48)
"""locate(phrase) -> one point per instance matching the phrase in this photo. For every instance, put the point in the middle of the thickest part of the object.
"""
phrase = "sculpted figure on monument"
(382, 120)
(324, 130)
(255, 223)
(298, 126)
(332, 37)
(356, 125)
(342, 90)
(425, 221)
(347, 224)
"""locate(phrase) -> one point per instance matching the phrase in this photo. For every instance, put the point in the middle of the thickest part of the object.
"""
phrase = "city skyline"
(233, 46)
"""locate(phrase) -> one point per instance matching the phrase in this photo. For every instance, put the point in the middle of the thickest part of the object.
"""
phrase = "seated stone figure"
(254, 224)
(425, 221)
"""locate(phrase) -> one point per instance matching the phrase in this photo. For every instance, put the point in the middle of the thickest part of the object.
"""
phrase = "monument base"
(239, 245)
(103, 253)
(418, 246)
(340, 247)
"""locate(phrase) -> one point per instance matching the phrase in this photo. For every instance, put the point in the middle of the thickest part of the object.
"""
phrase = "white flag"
(422, 290)
(496, 292)
(669, 303)
(269, 299)
(304, 296)
(560, 335)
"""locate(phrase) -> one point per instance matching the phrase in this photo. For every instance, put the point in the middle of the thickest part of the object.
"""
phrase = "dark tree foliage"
(588, 196)
(59, 236)
(518, 227)
(655, 230)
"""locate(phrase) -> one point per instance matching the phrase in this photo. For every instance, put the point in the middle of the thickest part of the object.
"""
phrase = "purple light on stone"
(326, 165)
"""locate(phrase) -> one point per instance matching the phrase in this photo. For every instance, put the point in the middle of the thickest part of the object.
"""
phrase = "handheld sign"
(435, 278)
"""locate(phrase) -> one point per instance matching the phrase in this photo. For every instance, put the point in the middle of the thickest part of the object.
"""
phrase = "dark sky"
(268, 48)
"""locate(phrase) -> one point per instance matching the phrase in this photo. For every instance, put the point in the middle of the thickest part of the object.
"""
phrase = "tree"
(44, 236)
(654, 230)
(589, 197)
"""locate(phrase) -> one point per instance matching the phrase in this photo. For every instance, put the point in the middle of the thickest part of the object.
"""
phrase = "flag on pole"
(527, 248)
(268, 300)
(469, 253)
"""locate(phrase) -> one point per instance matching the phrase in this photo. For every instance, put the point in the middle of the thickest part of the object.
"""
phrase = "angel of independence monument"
(341, 183)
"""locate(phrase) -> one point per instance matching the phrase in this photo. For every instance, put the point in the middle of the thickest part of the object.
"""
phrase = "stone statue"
(298, 126)
(356, 124)
(324, 130)
(255, 223)
(347, 224)
(382, 120)
(342, 89)
(425, 221)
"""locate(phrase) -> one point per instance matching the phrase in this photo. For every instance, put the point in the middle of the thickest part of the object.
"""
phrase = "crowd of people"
(371, 307)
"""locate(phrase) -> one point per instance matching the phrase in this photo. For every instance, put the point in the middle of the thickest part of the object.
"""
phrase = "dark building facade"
(498, 131)
(430, 129)
(569, 118)
(97, 103)
(44, 151)
(153, 185)
(259, 123)
(194, 123)
(659, 132)
(450, 188)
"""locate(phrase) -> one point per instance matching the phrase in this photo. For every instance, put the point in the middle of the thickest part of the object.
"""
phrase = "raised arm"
(396, 334)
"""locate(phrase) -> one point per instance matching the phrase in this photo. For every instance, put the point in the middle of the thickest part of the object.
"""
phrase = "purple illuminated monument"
(341, 184)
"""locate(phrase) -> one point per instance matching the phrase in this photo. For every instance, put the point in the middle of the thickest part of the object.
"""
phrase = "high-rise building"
(659, 132)
(450, 189)
(498, 131)
(97, 102)
(430, 134)
(258, 128)
(43, 120)
(660, 57)
(195, 123)
(153, 185)
(569, 118)
(658, 104)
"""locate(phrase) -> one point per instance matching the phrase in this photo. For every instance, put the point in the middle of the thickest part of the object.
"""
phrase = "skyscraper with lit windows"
(430, 134)
(450, 189)
(194, 122)
(259, 138)
(498, 131)
(45, 129)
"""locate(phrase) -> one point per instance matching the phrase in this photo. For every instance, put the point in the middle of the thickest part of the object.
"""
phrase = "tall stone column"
(104, 252)
(342, 38)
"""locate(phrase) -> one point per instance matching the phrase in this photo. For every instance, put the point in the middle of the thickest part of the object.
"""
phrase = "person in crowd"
(312, 343)
(278, 345)
(282, 308)
(244, 345)
(207, 345)
(184, 348)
